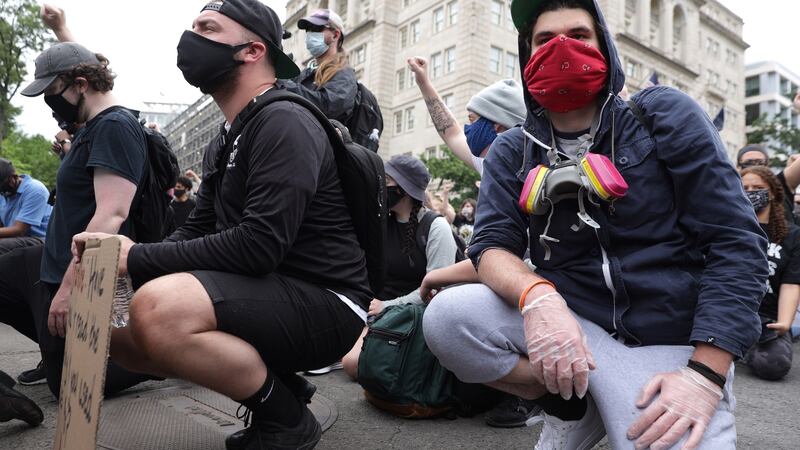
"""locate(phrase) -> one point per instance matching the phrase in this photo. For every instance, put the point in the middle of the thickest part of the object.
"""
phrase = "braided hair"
(776, 227)
(411, 227)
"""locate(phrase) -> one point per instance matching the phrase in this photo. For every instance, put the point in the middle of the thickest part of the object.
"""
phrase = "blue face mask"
(315, 43)
(480, 134)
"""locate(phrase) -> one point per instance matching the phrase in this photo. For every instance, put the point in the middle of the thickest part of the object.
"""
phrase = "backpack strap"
(639, 114)
(424, 229)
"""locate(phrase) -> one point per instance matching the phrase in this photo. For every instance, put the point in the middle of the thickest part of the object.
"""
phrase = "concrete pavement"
(767, 414)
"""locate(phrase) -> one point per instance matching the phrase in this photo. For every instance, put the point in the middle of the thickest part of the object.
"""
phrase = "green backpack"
(400, 375)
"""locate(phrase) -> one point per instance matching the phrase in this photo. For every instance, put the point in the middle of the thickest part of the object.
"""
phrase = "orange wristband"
(529, 288)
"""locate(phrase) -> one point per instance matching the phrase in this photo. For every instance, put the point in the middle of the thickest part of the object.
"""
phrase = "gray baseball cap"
(56, 60)
(410, 174)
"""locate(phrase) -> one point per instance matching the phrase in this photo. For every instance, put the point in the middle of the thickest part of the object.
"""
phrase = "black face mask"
(207, 64)
(64, 109)
(393, 196)
(179, 192)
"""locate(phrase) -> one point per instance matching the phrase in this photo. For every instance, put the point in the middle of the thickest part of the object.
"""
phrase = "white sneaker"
(580, 434)
(335, 366)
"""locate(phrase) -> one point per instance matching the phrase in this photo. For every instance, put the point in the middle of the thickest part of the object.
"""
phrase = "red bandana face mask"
(566, 74)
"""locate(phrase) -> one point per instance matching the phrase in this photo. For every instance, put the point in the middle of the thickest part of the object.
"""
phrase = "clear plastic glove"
(686, 400)
(557, 348)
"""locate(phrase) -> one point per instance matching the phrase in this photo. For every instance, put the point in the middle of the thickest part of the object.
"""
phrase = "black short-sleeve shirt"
(784, 268)
(114, 141)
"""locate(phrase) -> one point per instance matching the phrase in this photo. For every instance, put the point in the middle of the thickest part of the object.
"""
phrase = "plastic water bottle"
(122, 300)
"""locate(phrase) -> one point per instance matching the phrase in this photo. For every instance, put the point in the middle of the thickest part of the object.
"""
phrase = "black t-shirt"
(784, 268)
(464, 227)
(112, 141)
(181, 211)
(276, 206)
(404, 272)
(788, 199)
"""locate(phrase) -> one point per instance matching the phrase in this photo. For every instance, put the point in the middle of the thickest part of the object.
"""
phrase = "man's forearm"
(508, 276)
(14, 231)
(787, 303)
(714, 357)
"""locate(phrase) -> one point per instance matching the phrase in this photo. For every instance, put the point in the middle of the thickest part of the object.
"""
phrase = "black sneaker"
(264, 435)
(33, 376)
(14, 405)
(6, 380)
(514, 412)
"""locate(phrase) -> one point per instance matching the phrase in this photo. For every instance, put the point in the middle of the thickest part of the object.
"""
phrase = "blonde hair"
(330, 68)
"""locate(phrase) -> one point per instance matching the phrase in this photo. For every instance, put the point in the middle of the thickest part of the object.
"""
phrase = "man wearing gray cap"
(96, 184)
(495, 109)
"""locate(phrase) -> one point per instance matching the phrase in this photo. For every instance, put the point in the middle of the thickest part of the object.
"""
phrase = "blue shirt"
(28, 205)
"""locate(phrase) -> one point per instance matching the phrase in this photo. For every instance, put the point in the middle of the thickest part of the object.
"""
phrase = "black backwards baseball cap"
(261, 20)
(56, 60)
(523, 11)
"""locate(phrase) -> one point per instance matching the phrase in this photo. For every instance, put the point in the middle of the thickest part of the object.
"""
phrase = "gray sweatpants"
(480, 338)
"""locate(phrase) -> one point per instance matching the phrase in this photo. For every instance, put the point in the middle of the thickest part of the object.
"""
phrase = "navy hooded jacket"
(680, 259)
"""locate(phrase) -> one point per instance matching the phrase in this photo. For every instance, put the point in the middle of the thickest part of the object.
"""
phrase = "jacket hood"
(536, 120)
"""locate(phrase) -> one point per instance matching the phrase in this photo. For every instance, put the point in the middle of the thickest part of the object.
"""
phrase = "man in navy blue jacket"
(645, 300)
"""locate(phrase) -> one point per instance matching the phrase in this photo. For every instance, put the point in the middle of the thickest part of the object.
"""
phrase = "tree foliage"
(778, 135)
(449, 167)
(21, 34)
(31, 155)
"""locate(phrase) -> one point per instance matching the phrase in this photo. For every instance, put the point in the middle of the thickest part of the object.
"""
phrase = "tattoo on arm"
(440, 115)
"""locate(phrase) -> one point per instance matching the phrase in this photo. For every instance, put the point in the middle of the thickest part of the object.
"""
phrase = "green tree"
(778, 134)
(21, 34)
(449, 167)
(31, 155)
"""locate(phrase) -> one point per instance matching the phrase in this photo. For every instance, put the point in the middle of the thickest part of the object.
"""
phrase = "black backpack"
(366, 117)
(150, 214)
(361, 174)
(424, 228)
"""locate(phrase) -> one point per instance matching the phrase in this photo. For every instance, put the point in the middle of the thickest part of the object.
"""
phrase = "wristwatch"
(64, 141)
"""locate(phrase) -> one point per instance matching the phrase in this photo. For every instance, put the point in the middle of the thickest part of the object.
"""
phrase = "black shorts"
(293, 324)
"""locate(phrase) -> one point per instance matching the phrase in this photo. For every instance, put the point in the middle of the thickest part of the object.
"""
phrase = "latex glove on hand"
(686, 400)
(557, 349)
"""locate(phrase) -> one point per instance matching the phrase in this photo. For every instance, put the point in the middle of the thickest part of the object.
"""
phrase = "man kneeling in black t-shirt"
(266, 278)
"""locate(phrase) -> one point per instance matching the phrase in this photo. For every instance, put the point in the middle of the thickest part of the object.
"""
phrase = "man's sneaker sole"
(33, 382)
(324, 370)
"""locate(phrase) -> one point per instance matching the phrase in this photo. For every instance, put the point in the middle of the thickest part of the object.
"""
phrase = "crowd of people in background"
(611, 270)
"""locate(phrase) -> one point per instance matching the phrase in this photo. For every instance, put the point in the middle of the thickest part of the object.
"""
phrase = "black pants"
(13, 243)
(25, 305)
(771, 359)
(293, 324)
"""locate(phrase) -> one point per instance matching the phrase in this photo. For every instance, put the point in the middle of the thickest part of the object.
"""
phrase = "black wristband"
(708, 373)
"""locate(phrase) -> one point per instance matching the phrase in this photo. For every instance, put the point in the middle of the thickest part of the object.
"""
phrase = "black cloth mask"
(64, 109)
(179, 192)
(759, 198)
(206, 64)
(393, 196)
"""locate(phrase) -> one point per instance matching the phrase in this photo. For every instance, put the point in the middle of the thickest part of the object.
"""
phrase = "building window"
(414, 31)
(509, 19)
(448, 101)
(496, 12)
(511, 65)
(452, 13)
(678, 28)
(450, 57)
(752, 87)
(401, 79)
(436, 65)
(495, 59)
(655, 23)
(398, 122)
(631, 69)
(360, 54)
(409, 118)
(630, 15)
(430, 153)
(408, 2)
(752, 113)
(412, 79)
(404, 37)
(438, 20)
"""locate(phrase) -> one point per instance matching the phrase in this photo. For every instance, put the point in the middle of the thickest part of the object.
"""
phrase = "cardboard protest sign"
(86, 353)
